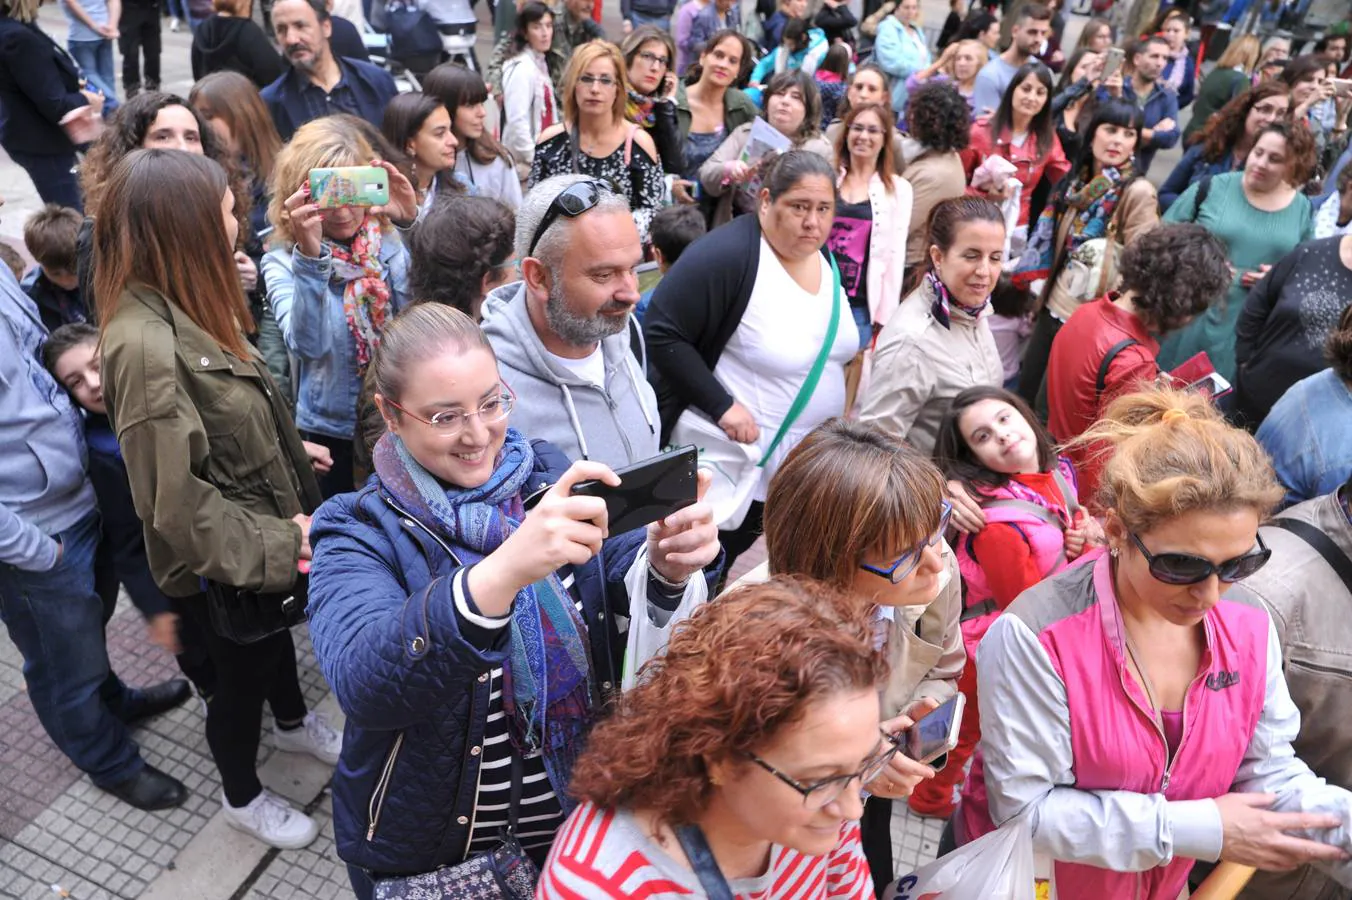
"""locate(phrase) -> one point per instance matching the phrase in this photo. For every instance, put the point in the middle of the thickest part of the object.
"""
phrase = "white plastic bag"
(998, 866)
(732, 465)
(646, 638)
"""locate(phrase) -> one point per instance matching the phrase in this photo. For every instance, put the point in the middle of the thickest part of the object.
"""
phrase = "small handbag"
(503, 873)
(247, 616)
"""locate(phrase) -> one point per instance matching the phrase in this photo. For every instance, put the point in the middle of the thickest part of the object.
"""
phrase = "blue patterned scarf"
(546, 688)
(1090, 203)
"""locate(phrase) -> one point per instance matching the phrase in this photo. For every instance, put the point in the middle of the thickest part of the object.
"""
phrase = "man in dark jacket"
(319, 83)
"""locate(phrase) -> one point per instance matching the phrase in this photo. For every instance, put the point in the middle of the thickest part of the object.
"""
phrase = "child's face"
(62, 278)
(999, 437)
(78, 371)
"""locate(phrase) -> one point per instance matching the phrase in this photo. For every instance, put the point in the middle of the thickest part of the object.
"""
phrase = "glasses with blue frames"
(907, 562)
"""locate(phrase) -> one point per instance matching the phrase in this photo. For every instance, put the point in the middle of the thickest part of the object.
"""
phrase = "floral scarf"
(546, 689)
(1091, 203)
(366, 295)
(944, 303)
(639, 108)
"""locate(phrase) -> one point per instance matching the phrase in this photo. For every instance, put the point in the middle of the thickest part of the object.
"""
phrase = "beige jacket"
(1136, 213)
(919, 366)
(924, 643)
(711, 173)
(934, 177)
(1310, 608)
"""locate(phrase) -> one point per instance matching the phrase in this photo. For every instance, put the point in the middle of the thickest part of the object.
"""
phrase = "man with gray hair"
(565, 335)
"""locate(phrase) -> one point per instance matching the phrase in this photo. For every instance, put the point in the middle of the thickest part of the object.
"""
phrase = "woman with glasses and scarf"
(335, 277)
(648, 58)
(1135, 717)
(471, 643)
(857, 509)
(597, 138)
(734, 768)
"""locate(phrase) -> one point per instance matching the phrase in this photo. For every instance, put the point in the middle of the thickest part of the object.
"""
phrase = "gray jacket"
(616, 425)
(43, 486)
(1309, 604)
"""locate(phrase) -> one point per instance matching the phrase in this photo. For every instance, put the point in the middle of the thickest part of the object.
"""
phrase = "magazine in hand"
(764, 142)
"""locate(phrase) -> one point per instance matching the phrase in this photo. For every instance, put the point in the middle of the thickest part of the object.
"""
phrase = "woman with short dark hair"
(484, 163)
(1170, 275)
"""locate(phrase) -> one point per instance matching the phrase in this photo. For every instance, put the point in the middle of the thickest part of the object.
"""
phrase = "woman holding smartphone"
(1140, 720)
(464, 638)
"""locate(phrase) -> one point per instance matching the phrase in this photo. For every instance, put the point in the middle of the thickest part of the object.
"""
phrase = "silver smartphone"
(937, 732)
(1112, 64)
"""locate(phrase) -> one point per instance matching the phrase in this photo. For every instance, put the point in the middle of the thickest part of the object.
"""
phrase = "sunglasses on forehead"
(572, 202)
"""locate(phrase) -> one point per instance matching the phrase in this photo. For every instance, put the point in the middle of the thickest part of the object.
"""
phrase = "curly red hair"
(736, 673)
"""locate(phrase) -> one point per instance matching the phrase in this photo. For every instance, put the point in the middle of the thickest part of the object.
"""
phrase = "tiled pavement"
(61, 836)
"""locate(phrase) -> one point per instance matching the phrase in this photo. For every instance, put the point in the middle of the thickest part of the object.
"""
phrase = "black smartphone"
(648, 490)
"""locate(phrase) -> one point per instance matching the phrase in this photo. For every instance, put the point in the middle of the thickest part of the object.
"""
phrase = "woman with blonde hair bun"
(1139, 719)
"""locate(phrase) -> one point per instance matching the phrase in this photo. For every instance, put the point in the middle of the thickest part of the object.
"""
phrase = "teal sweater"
(1253, 238)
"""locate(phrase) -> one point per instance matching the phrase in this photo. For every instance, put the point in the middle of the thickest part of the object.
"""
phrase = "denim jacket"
(1308, 434)
(308, 305)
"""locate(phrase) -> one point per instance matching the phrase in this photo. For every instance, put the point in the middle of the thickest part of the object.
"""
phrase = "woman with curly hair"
(737, 761)
(1170, 276)
(938, 127)
(1260, 215)
(1222, 145)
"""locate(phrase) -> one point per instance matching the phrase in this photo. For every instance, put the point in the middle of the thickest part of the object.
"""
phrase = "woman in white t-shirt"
(736, 326)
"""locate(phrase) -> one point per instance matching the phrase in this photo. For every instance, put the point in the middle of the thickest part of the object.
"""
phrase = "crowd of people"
(1017, 415)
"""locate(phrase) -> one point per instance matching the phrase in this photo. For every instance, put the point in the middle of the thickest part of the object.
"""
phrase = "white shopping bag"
(646, 638)
(732, 465)
(998, 866)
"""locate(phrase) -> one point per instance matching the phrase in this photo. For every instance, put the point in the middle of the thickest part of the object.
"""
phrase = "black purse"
(247, 616)
(503, 873)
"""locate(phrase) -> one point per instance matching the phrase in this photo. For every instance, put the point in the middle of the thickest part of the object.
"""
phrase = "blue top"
(362, 90)
(43, 485)
(901, 51)
(1308, 434)
(308, 304)
(79, 31)
(991, 83)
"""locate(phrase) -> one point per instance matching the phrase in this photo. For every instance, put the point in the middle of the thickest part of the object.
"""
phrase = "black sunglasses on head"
(1184, 568)
(572, 202)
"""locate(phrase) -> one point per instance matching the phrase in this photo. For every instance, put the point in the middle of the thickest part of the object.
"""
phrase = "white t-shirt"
(591, 368)
(773, 349)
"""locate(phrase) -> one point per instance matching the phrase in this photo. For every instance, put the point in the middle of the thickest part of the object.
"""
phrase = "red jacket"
(1031, 164)
(1073, 399)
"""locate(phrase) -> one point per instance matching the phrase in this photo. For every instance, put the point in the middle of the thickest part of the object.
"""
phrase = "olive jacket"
(216, 466)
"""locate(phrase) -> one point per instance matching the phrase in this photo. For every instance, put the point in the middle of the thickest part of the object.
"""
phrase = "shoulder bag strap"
(576, 149)
(814, 376)
(1101, 381)
(1322, 543)
(702, 861)
(1072, 505)
(629, 144)
(1203, 189)
(514, 797)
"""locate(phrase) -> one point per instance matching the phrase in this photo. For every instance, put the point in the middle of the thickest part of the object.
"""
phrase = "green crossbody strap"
(814, 376)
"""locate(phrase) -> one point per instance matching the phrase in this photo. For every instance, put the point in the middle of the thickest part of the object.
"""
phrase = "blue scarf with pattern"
(546, 689)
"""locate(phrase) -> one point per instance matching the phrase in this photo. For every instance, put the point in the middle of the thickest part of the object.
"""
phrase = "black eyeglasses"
(822, 793)
(572, 202)
(1185, 568)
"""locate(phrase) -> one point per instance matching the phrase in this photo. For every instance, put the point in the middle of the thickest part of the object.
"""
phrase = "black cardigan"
(39, 84)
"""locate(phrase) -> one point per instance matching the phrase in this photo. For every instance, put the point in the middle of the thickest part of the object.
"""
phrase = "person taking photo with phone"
(696, 789)
(468, 641)
(335, 277)
(1138, 718)
(1140, 84)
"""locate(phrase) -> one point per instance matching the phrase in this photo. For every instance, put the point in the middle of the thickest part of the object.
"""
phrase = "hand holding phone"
(936, 733)
(648, 490)
(1112, 64)
(683, 543)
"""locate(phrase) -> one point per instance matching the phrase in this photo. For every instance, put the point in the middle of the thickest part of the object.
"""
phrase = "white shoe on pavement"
(174, 24)
(315, 736)
(273, 821)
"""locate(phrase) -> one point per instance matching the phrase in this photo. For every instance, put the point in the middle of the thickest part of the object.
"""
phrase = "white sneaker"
(174, 24)
(273, 821)
(315, 737)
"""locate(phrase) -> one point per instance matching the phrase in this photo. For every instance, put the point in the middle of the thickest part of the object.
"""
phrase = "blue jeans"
(57, 619)
(178, 9)
(53, 175)
(638, 19)
(864, 321)
(96, 61)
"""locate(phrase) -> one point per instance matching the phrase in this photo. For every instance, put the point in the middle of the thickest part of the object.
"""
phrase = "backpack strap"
(1041, 513)
(1101, 381)
(1067, 496)
(1322, 544)
(1203, 189)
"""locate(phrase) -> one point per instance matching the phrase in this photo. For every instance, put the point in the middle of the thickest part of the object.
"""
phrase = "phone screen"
(937, 732)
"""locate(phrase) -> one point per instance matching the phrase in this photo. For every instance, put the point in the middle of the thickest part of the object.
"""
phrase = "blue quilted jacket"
(413, 680)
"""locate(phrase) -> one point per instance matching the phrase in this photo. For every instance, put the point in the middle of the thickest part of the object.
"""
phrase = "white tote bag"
(646, 638)
(996, 866)
(732, 465)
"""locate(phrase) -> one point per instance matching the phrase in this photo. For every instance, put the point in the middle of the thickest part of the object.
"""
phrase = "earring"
(1113, 553)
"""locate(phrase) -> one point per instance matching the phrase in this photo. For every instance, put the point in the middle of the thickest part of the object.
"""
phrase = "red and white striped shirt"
(603, 854)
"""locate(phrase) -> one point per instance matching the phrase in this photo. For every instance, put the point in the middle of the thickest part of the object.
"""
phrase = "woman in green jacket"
(709, 105)
(217, 470)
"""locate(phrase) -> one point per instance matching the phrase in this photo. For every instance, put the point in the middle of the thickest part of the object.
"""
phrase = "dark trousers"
(53, 175)
(739, 540)
(140, 28)
(875, 827)
(57, 619)
(1033, 370)
(340, 478)
(246, 675)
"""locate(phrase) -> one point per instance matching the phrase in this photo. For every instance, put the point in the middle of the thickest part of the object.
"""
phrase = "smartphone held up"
(349, 186)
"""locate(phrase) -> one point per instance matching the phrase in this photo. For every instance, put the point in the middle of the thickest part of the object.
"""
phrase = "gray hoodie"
(616, 426)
